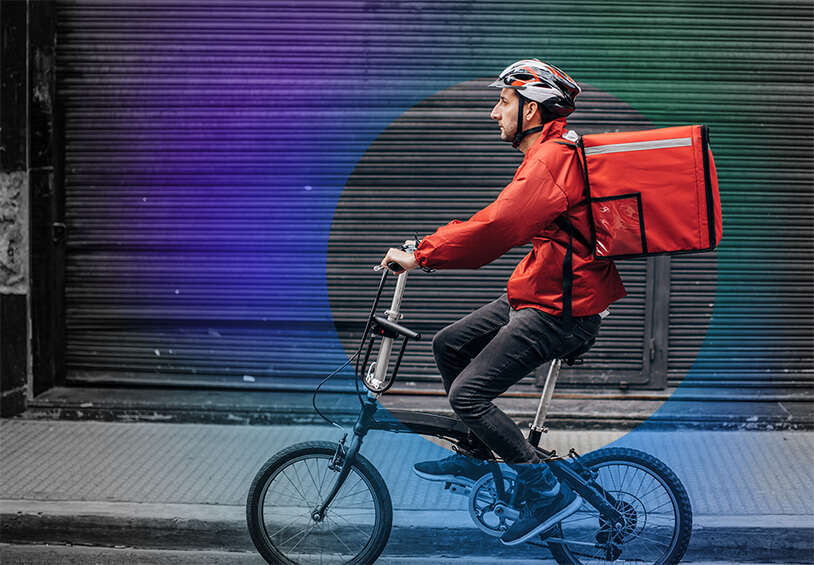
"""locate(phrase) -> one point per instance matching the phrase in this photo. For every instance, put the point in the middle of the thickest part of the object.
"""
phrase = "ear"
(531, 109)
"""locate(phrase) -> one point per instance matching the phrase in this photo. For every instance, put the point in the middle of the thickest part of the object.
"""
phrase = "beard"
(508, 132)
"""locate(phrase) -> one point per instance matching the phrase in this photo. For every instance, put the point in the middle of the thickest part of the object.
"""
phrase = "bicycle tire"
(290, 486)
(659, 512)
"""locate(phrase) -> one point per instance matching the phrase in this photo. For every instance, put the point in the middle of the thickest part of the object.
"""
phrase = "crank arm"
(506, 512)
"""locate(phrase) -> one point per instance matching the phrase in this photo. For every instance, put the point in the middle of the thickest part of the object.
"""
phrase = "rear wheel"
(292, 485)
(653, 502)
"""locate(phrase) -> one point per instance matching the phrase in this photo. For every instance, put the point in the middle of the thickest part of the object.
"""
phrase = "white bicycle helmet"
(543, 83)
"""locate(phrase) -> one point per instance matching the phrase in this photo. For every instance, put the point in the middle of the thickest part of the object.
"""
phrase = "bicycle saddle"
(573, 357)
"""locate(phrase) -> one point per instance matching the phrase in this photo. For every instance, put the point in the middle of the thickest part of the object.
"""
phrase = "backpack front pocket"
(619, 225)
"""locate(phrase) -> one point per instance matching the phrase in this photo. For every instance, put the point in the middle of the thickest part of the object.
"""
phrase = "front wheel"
(292, 485)
(653, 502)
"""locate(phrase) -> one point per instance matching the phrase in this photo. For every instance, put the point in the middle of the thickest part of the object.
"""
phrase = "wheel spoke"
(317, 484)
(351, 524)
(651, 540)
(292, 522)
(345, 495)
(291, 482)
(662, 505)
(304, 534)
(341, 541)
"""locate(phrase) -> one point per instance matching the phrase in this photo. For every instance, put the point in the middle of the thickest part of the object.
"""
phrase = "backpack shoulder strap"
(566, 226)
(567, 276)
(571, 139)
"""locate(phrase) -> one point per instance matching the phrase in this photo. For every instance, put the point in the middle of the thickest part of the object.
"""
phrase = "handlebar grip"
(393, 266)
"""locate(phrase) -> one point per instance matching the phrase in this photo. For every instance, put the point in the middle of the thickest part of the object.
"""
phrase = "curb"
(787, 539)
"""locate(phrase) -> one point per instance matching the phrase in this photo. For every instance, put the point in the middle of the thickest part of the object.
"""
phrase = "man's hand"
(406, 260)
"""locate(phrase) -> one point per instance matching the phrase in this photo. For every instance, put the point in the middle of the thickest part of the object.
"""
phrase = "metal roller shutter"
(202, 179)
(191, 256)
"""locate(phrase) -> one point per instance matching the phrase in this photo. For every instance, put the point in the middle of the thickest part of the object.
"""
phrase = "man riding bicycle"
(486, 352)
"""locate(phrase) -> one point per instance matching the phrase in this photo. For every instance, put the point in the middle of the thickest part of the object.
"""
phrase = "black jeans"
(489, 350)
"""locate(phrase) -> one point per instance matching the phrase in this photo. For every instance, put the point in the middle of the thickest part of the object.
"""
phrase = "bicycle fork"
(360, 430)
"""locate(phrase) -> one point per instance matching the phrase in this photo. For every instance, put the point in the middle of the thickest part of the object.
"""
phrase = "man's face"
(505, 112)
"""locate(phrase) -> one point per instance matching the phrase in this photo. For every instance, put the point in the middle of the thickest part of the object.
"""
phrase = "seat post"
(537, 427)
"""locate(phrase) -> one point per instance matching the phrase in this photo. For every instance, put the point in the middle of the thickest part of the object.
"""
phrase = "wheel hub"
(621, 531)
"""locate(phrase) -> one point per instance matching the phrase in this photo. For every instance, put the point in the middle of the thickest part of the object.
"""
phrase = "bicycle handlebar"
(394, 328)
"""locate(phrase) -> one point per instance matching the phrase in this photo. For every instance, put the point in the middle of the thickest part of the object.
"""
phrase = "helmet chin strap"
(520, 135)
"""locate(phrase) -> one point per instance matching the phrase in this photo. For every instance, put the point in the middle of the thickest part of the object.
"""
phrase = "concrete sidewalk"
(184, 486)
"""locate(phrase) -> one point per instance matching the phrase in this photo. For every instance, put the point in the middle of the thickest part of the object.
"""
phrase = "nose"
(495, 115)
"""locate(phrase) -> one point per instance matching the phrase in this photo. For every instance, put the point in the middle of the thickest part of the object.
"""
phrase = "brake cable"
(351, 358)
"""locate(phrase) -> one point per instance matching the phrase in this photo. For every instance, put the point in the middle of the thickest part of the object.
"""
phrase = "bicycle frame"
(377, 381)
(286, 504)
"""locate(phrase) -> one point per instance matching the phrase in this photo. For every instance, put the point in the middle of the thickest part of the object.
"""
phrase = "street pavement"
(83, 555)
(159, 486)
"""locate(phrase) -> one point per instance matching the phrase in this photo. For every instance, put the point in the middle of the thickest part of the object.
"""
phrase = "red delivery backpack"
(652, 192)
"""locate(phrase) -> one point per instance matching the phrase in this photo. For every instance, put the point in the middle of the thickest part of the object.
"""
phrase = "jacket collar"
(553, 129)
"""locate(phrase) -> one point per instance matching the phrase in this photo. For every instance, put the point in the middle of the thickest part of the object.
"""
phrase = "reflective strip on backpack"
(639, 146)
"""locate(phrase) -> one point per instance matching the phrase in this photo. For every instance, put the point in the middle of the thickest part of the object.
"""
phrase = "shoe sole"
(558, 517)
(445, 478)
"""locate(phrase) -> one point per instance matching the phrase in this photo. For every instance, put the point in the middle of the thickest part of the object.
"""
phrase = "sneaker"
(539, 514)
(456, 468)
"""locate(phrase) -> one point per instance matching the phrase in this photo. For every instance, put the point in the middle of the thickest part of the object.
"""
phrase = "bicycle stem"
(386, 347)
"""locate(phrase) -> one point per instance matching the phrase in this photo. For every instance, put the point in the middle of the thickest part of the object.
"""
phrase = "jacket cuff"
(422, 254)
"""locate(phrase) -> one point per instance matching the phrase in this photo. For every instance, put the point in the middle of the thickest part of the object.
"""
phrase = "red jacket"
(547, 184)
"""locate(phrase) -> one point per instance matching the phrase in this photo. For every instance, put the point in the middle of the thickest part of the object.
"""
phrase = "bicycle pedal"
(458, 488)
